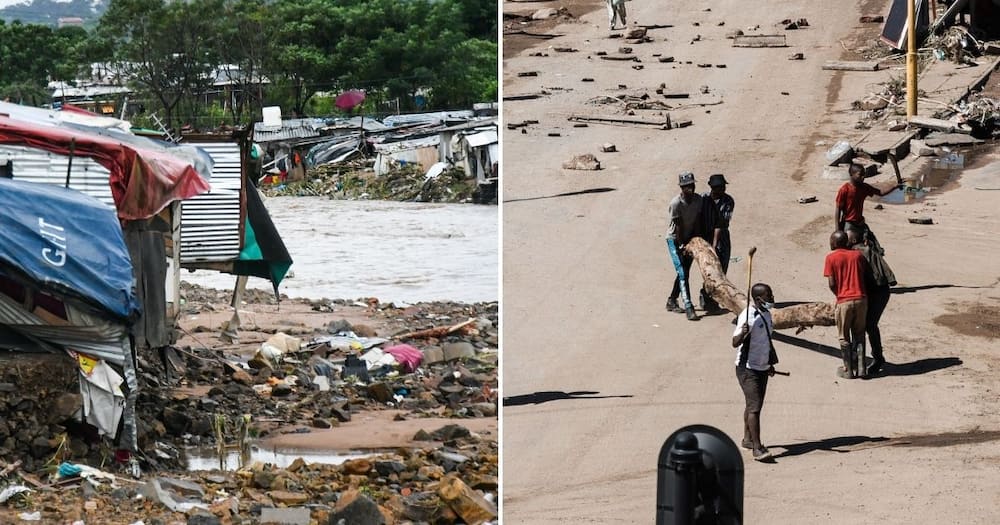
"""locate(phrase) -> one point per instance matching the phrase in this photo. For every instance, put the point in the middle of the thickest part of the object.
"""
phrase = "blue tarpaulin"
(66, 243)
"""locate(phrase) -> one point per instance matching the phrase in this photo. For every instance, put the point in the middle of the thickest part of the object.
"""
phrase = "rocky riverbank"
(357, 181)
(408, 389)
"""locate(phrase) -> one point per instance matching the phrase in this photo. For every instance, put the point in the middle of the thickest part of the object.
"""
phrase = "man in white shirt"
(755, 362)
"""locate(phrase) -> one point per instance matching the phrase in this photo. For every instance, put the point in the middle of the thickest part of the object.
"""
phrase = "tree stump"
(800, 316)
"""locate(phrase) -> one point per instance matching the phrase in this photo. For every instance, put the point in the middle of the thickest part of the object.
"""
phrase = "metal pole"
(911, 59)
(69, 165)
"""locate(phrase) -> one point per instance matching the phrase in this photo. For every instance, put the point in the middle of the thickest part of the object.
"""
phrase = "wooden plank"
(837, 65)
(662, 124)
(947, 126)
(760, 41)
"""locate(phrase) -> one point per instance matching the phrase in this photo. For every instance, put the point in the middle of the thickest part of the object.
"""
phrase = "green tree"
(166, 46)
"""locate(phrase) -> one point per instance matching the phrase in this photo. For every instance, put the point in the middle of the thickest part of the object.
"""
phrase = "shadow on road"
(568, 194)
(807, 344)
(835, 444)
(920, 366)
(538, 398)
(910, 289)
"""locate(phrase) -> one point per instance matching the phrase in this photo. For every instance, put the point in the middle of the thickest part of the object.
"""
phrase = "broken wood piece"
(565, 49)
(807, 200)
(666, 59)
(842, 65)
(759, 41)
(872, 19)
(524, 96)
(528, 74)
(947, 126)
(921, 220)
(729, 297)
(951, 139)
(627, 58)
(437, 331)
(662, 124)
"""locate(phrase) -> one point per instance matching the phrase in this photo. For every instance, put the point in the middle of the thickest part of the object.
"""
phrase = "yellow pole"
(911, 58)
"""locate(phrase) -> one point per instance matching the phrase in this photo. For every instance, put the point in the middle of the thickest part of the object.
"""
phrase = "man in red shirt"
(851, 202)
(845, 272)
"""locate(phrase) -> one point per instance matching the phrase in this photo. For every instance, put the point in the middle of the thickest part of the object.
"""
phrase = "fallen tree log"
(718, 286)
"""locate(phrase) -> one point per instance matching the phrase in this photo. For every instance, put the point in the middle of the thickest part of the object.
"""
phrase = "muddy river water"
(395, 251)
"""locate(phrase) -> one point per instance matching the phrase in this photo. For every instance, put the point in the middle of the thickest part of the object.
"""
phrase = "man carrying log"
(850, 202)
(691, 216)
(755, 362)
(724, 205)
(845, 270)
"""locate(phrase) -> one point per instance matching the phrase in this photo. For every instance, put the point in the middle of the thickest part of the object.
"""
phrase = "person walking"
(755, 362)
(845, 270)
(616, 12)
(879, 279)
(850, 202)
(724, 205)
(689, 218)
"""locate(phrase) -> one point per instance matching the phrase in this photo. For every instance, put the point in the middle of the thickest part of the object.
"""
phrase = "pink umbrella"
(350, 99)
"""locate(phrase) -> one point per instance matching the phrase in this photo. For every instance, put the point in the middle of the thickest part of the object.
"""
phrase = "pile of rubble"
(305, 381)
(402, 184)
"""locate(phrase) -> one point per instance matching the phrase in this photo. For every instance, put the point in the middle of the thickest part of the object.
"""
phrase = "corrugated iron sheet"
(290, 129)
(40, 166)
(105, 340)
(210, 223)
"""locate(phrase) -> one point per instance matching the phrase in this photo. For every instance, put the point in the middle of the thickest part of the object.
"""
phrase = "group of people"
(855, 269)
(706, 216)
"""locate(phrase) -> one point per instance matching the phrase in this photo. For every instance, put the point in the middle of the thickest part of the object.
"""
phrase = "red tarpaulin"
(143, 180)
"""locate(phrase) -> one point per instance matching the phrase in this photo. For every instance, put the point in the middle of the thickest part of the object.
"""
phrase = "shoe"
(876, 366)
(747, 444)
(691, 315)
(672, 305)
(762, 454)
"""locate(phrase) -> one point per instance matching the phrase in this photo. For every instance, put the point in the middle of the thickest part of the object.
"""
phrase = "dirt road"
(602, 374)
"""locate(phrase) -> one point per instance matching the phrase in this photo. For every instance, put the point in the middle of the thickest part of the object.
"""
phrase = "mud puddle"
(208, 459)
(937, 175)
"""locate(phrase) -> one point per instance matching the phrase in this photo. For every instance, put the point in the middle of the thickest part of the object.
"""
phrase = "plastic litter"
(407, 356)
(30, 516)
(11, 491)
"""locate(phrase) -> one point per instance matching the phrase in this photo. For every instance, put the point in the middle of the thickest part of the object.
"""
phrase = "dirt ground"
(608, 374)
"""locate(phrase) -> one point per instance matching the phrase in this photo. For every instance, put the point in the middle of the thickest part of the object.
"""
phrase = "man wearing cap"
(690, 217)
(724, 205)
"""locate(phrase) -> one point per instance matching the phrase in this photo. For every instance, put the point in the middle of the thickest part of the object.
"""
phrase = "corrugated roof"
(210, 222)
(302, 128)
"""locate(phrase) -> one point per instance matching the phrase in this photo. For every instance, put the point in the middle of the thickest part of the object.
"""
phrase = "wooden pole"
(911, 58)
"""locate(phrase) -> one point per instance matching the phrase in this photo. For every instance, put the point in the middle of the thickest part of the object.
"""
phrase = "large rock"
(586, 161)
(354, 508)
(544, 13)
(175, 421)
(470, 505)
(458, 350)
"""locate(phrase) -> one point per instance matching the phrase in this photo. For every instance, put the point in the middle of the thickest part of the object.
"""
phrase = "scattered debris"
(920, 220)
(837, 65)
(872, 19)
(608, 148)
(629, 58)
(666, 59)
(528, 74)
(807, 200)
(939, 124)
(565, 49)
(663, 124)
(796, 56)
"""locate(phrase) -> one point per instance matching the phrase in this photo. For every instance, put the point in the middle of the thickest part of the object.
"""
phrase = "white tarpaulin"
(103, 399)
